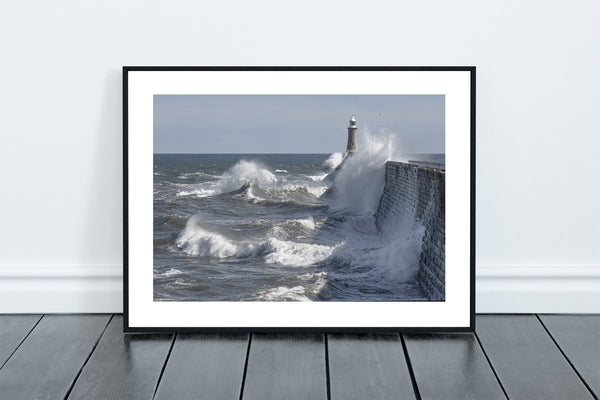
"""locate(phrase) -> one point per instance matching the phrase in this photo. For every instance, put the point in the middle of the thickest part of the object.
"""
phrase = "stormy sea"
(280, 227)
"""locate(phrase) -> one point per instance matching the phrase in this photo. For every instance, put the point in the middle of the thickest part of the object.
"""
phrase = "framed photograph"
(299, 198)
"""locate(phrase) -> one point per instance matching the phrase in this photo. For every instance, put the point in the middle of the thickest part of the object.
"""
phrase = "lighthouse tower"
(352, 146)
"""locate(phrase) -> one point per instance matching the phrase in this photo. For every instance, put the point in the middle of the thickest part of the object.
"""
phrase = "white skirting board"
(50, 289)
(520, 290)
(499, 289)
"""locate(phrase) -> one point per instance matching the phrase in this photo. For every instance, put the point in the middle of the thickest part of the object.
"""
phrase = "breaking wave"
(197, 241)
(256, 183)
(333, 162)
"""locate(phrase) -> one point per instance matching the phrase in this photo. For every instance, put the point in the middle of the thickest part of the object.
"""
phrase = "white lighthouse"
(352, 146)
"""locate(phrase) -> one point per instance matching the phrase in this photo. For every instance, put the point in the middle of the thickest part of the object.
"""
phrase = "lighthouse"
(352, 146)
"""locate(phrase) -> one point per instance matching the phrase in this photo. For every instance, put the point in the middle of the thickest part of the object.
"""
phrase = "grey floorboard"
(526, 360)
(579, 338)
(451, 366)
(368, 366)
(13, 329)
(207, 366)
(285, 366)
(46, 364)
(123, 366)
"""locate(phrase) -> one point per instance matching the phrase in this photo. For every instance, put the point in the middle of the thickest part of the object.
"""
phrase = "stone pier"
(419, 192)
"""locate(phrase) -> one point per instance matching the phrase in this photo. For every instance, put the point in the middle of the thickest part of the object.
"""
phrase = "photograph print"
(299, 197)
(310, 198)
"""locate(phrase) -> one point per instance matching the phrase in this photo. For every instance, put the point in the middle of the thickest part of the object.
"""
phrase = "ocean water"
(277, 227)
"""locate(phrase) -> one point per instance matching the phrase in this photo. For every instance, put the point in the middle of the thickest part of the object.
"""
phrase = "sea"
(280, 227)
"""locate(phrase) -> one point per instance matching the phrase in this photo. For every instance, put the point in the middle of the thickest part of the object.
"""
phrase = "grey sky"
(293, 123)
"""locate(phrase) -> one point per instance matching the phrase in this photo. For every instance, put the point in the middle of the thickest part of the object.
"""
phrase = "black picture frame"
(127, 179)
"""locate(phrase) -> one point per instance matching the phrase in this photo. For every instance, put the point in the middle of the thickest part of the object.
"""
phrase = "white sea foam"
(299, 228)
(261, 183)
(200, 192)
(394, 258)
(170, 272)
(189, 175)
(296, 254)
(283, 194)
(316, 191)
(316, 287)
(281, 171)
(287, 191)
(246, 172)
(242, 173)
(332, 162)
(358, 185)
(283, 293)
(389, 255)
(316, 178)
(308, 223)
(295, 293)
(284, 191)
(249, 195)
(198, 241)
(309, 275)
(195, 241)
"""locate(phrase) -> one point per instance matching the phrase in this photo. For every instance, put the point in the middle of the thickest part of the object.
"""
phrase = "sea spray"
(333, 162)
(377, 256)
(246, 172)
(355, 194)
(358, 185)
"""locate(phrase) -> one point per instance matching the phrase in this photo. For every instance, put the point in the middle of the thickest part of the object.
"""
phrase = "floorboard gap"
(87, 359)
(491, 366)
(410, 368)
(162, 371)
(566, 358)
(21, 342)
(327, 375)
(246, 366)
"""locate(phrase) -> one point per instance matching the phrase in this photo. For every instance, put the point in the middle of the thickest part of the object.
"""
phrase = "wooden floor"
(510, 356)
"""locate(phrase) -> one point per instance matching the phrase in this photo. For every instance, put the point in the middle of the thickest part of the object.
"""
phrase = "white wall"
(538, 127)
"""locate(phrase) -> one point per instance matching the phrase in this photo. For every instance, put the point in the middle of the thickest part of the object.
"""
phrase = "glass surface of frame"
(299, 198)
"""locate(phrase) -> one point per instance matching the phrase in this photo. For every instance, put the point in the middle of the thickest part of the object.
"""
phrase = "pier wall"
(416, 195)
